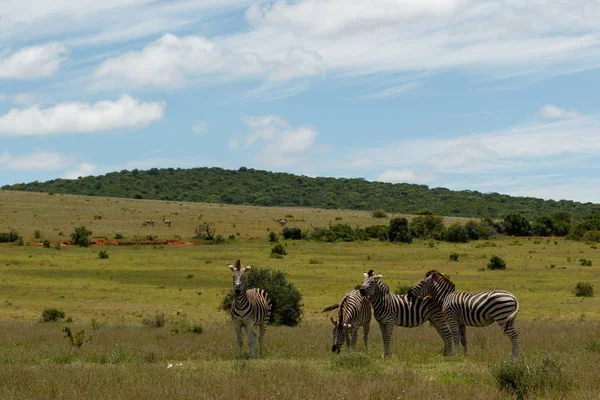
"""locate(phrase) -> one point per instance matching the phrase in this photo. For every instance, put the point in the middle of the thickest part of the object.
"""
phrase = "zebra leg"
(366, 336)
(462, 330)
(347, 338)
(442, 329)
(354, 336)
(512, 334)
(238, 330)
(386, 333)
(454, 328)
(251, 339)
(261, 337)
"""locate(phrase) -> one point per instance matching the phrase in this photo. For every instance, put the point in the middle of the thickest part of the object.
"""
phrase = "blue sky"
(494, 96)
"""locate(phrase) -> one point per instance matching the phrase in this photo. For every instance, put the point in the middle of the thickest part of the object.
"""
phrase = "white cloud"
(199, 127)
(125, 112)
(550, 111)
(282, 144)
(403, 175)
(391, 91)
(32, 62)
(29, 99)
(82, 169)
(38, 161)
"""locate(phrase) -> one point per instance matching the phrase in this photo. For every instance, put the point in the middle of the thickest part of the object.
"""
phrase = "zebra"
(149, 222)
(394, 309)
(167, 222)
(354, 312)
(249, 308)
(282, 222)
(462, 309)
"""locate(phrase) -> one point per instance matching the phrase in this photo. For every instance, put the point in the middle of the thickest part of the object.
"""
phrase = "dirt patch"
(102, 242)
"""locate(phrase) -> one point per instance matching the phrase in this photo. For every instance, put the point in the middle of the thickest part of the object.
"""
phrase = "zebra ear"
(333, 321)
(378, 276)
(366, 275)
(231, 267)
(247, 267)
(238, 264)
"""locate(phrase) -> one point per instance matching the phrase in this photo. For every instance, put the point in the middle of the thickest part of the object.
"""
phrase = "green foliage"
(187, 328)
(591, 236)
(292, 233)
(457, 233)
(118, 236)
(585, 262)
(517, 225)
(273, 237)
(453, 256)
(339, 233)
(401, 289)
(399, 231)
(496, 263)
(286, 300)
(584, 289)
(354, 360)
(380, 232)
(427, 227)
(379, 213)
(263, 188)
(46, 244)
(103, 254)
(522, 378)
(278, 249)
(52, 315)
(78, 339)
(480, 230)
(9, 237)
(37, 234)
(81, 236)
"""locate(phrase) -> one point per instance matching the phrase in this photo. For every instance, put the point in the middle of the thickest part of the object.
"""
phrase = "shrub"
(479, 230)
(496, 263)
(52, 314)
(453, 256)
(9, 237)
(401, 289)
(585, 262)
(206, 231)
(399, 231)
(315, 261)
(292, 233)
(218, 240)
(118, 236)
(457, 233)
(273, 237)
(186, 328)
(278, 249)
(516, 225)
(37, 234)
(78, 339)
(286, 300)
(339, 232)
(379, 213)
(591, 236)
(81, 236)
(46, 244)
(427, 227)
(380, 232)
(156, 321)
(103, 254)
(584, 289)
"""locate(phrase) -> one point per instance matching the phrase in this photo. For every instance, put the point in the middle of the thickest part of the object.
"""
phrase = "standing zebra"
(249, 308)
(354, 312)
(167, 222)
(463, 309)
(394, 309)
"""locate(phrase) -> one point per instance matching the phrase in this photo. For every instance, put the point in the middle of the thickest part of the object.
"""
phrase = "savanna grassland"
(128, 356)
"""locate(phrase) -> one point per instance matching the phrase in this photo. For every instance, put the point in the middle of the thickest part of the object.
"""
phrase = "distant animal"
(149, 222)
(354, 311)
(394, 309)
(249, 308)
(282, 222)
(167, 222)
(462, 309)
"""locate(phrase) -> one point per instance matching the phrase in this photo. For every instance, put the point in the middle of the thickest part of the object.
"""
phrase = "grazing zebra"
(167, 222)
(149, 222)
(354, 312)
(249, 308)
(394, 309)
(462, 309)
(282, 222)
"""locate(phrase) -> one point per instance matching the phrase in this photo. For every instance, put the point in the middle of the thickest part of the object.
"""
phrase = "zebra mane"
(440, 278)
(384, 288)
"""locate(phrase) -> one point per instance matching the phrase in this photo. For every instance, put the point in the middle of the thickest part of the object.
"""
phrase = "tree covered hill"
(247, 186)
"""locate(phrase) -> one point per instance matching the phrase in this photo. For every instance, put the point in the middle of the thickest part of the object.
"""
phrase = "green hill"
(262, 188)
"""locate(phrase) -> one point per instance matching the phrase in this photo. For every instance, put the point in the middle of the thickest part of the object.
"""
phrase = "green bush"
(273, 237)
(37, 234)
(103, 254)
(278, 249)
(399, 231)
(585, 262)
(118, 236)
(379, 213)
(591, 236)
(584, 289)
(9, 237)
(457, 233)
(46, 244)
(286, 300)
(78, 339)
(380, 232)
(427, 227)
(81, 236)
(496, 263)
(52, 315)
(339, 233)
(401, 289)
(453, 256)
(292, 233)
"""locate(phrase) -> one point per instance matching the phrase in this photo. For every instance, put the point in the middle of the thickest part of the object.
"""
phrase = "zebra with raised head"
(249, 308)
(394, 309)
(462, 309)
(354, 311)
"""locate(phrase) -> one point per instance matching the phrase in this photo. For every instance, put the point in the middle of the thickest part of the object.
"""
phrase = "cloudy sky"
(494, 96)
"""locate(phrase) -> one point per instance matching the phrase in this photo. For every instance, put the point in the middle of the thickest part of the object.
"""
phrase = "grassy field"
(128, 359)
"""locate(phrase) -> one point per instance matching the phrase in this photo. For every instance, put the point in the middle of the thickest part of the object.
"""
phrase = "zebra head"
(339, 335)
(239, 277)
(434, 285)
(369, 282)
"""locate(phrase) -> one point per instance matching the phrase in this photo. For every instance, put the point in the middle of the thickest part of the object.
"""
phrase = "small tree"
(457, 233)
(292, 233)
(399, 231)
(273, 237)
(81, 236)
(379, 213)
(584, 289)
(286, 300)
(496, 263)
(278, 249)
(52, 314)
(205, 230)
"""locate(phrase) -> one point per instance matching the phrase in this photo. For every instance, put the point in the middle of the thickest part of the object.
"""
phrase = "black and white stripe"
(462, 309)
(249, 308)
(393, 309)
(354, 311)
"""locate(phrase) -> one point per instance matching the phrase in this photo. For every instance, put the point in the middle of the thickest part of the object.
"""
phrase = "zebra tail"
(510, 319)
(332, 307)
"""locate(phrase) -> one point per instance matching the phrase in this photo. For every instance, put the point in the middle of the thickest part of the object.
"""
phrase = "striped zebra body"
(462, 309)
(354, 311)
(250, 308)
(399, 310)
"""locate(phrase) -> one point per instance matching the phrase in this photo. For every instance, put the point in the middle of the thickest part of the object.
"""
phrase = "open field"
(126, 359)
